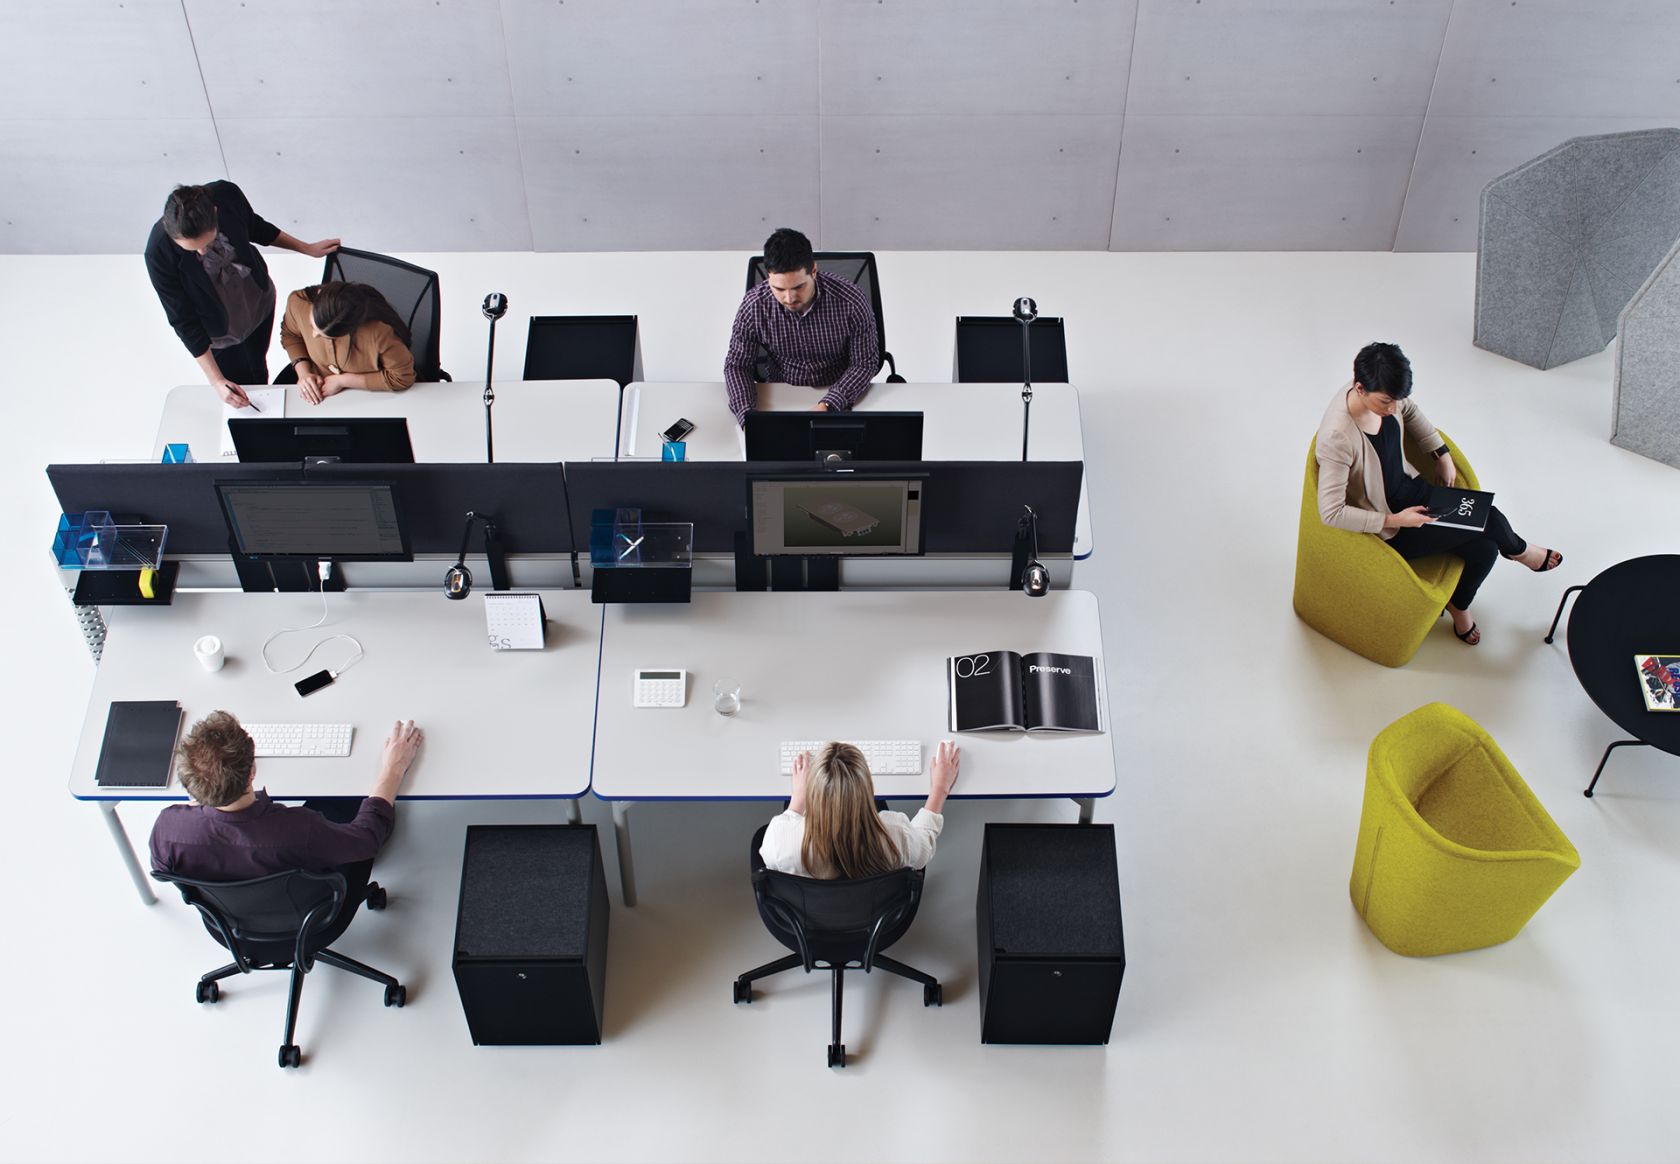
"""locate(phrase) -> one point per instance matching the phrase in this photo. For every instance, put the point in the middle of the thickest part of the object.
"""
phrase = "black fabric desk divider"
(528, 501)
(968, 507)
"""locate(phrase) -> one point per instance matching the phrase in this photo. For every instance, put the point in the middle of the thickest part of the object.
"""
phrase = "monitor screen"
(989, 350)
(581, 347)
(833, 436)
(348, 522)
(835, 515)
(352, 440)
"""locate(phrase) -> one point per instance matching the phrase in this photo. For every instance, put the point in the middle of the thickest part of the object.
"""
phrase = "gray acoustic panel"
(368, 58)
(641, 58)
(668, 183)
(1561, 58)
(1286, 57)
(98, 58)
(1459, 156)
(1647, 397)
(974, 57)
(967, 183)
(418, 183)
(1567, 238)
(96, 187)
(1262, 183)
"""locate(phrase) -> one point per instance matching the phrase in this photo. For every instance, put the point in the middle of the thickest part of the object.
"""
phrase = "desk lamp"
(457, 583)
(495, 306)
(1027, 574)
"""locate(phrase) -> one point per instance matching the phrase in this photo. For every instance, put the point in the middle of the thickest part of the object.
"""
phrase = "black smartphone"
(678, 431)
(313, 683)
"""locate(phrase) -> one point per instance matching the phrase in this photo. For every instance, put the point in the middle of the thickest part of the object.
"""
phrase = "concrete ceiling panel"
(106, 58)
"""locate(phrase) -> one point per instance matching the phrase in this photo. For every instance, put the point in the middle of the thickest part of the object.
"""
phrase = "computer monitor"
(349, 522)
(831, 437)
(583, 347)
(360, 440)
(989, 350)
(851, 515)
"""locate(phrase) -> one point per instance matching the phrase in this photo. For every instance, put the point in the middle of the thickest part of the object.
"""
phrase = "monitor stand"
(817, 572)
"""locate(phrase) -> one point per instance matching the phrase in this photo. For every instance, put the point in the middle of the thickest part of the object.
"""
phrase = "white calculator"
(661, 688)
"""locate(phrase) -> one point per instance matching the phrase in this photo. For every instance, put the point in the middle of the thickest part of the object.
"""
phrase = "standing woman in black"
(214, 286)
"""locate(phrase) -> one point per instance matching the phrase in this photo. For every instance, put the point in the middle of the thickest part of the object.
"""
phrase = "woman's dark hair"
(189, 212)
(787, 250)
(340, 308)
(1383, 368)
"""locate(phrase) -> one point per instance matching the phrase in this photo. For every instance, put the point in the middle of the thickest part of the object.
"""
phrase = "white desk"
(510, 724)
(859, 665)
(536, 420)
(961, 422)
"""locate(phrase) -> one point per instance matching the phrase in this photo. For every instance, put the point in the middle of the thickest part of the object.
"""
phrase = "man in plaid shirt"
(819, 331)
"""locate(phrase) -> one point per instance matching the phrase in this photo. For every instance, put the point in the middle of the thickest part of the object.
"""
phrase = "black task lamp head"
(457, 583)
(1028, 573)
(1026, 310)
(495, 305)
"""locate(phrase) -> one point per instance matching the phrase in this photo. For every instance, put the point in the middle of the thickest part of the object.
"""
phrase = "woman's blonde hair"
(843, 832)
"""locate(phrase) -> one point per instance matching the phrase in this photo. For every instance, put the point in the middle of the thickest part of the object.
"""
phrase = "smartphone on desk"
(678, 431)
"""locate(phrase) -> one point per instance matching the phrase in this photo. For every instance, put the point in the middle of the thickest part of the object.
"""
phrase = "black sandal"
(1551, 561)
(1470, 637)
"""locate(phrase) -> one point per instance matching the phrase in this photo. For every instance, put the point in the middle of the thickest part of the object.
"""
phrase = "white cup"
(208, 651)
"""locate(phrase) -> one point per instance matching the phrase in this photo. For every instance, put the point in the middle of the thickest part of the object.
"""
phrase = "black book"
(1456, 508)
(1041, 692)
(139, 746)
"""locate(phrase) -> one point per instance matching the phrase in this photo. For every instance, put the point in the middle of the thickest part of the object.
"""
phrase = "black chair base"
(932, 993)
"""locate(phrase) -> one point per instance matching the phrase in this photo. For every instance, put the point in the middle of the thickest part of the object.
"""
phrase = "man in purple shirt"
(819, 331)
(236, 833)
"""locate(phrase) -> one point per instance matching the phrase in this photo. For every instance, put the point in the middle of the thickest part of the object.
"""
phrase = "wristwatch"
(1443, 451)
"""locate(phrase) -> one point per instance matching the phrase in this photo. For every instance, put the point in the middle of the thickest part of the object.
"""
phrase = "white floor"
(1259, 1019)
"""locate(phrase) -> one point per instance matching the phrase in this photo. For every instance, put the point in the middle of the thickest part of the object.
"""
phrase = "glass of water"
(726, 697)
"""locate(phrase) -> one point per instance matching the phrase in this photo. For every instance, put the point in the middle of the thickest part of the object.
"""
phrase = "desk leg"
(1552, 630)
(626, 864)
(574, 815)
(1087, 805)
(1598, 771)
(125, 850)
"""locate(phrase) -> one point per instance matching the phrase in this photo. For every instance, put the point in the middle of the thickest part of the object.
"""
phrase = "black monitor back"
(988, 350)
(360, 440)
(809, 436)
(583, 347)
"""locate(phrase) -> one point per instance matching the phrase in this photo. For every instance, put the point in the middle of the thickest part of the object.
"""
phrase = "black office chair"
(281, 922)
(859, 268)
(836, 926)
(583, 347)
(412, 293)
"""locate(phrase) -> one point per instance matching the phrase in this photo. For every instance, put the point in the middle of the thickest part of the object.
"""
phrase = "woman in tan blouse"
(344, 335)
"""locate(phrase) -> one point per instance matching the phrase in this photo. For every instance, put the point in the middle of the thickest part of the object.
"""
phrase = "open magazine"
(1659, 681)
(1041, 692)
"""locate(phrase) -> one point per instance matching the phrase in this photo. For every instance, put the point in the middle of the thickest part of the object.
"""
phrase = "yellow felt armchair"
(1354, 589)
(1455, 852)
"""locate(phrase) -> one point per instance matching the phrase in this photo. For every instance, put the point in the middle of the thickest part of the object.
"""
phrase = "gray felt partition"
(1566, 240)
(1647, 398)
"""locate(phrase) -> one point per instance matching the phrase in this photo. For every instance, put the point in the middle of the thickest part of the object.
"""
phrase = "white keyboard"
(301, 739)
(884, 757)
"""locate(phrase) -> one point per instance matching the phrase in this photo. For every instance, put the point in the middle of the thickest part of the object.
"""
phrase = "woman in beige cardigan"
(345, 335)
(1365, 484)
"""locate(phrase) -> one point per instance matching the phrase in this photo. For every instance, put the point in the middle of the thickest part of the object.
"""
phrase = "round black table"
(1633, 608)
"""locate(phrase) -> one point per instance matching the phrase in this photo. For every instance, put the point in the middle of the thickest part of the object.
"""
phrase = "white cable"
(353, 660)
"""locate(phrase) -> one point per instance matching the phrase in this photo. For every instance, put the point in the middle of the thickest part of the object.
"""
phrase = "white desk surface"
(536, 420)
(497, 724)
(961, 422)
(859, 665)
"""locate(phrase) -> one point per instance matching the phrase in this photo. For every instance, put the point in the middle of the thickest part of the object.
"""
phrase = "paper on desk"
(269, 402)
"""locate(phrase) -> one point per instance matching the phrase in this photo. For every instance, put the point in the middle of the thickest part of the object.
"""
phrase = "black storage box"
(1051, 949)
(531, 934)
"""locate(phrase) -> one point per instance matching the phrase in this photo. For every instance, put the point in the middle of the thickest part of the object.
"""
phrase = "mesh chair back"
(268, 909)
(411, 291)
(857, 267)
(838, 916)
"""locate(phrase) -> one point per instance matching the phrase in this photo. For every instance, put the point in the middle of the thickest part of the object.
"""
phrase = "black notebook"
(1041, 692)
(139, 746)
(1456, 508)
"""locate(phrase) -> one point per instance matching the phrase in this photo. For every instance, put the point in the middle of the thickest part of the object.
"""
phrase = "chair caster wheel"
(933, 995)
(396, 996)
(743, 991)
(290, 1055)
(207, 992)
(376, 896)
(837, 1054)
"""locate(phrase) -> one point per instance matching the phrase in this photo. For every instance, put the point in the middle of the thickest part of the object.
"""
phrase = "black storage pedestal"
(531, 934)
(1051, 950)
